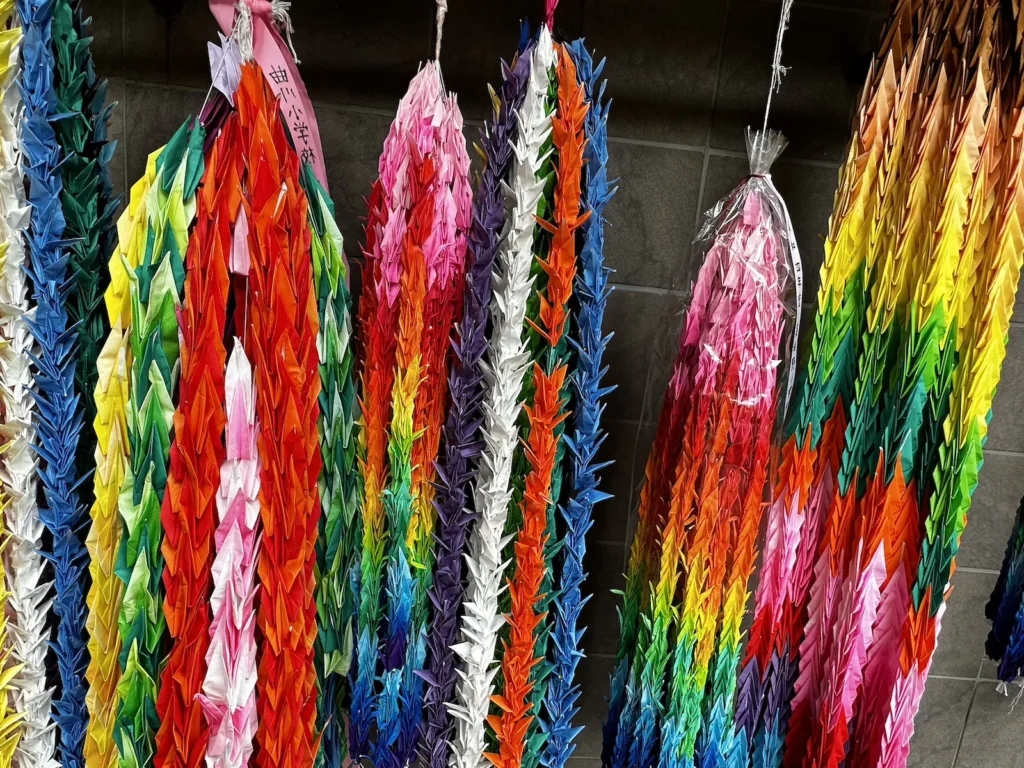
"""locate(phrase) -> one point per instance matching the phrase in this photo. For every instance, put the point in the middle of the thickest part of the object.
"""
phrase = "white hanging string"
(777, 69)
(442, 10)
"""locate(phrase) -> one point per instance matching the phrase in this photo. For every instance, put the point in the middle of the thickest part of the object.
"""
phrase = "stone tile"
(145, 42)
(188, 32)
(827, 52)
(116, 131)
(652, 215)
(370, 56)
(1006, 431)
(939, 723)
(610, 515)
(584, 762)
(362, 54)
(352, 143)
(852, 5)
(478, 36)
(603, 562)
(106, 30)
(964, 626)
(152, 114)
(627, 445)
(593, 675)
(604, 566)
(600, 616)
(994, 507)
(662, 63)
(993, 737)
(635, 317)
(807, 190)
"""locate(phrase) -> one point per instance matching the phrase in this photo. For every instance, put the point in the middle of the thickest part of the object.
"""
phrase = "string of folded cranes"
(319, 533)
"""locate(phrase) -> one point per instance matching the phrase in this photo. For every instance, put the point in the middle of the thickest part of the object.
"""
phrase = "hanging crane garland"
(27, 581)
(197, 453)
(155, 286)
(338, 540)
(58, 419)
(14, 401)
(870, 507)
(463, 443)
(675, 708)
(1005, 642)
(330, 500)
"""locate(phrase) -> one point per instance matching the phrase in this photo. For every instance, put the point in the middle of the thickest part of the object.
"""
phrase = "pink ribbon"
(275, 59)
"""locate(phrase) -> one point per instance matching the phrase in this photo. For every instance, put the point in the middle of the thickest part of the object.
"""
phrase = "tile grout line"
(967, 717)
(819, 6)
(472, 122)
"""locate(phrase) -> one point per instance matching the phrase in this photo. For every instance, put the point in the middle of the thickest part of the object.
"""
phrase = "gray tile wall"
(686, 77)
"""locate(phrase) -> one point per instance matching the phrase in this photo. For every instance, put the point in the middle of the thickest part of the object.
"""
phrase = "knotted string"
(275, 11)
(777, 69)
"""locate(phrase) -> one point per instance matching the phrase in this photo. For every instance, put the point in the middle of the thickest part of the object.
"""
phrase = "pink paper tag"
(276, 61)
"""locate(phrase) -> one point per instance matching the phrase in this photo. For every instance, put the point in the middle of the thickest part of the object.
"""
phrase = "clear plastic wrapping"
(747, 238)
(709, 470)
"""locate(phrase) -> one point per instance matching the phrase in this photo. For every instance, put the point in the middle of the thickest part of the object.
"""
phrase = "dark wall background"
(686, 76)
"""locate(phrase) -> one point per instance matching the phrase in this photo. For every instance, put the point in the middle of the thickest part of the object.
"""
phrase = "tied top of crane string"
(272, 11)
(262, 30)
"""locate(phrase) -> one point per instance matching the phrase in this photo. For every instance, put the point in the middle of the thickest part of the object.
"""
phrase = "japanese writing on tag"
(294, 112)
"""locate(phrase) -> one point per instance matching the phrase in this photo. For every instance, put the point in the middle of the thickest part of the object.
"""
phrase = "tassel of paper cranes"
(338, 539)
(469, 385)
(26, 579)
(16, 512)
(507, 360)
(673, 689)
(55, 129)
(416, 244)
(587, 342)
(281, 342)
(154, 287)
(188, 515)
(529, 700)
(873, 498)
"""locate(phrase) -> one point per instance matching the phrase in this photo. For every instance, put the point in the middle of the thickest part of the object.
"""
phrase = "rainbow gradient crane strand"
(725, 374)
(810, 457)
(390, 203)
(416, 241)
(452, 221)
(337, 542)
(940, 242)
